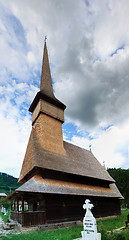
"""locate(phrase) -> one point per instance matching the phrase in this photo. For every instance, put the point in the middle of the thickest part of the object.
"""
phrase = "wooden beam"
(22, 204)
(14, 205)
(18, 205)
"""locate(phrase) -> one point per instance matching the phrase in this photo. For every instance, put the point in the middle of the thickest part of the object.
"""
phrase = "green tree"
(121, 176)
(5, 204)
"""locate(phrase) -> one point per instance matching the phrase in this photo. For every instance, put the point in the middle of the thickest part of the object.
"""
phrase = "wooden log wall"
(66, 208)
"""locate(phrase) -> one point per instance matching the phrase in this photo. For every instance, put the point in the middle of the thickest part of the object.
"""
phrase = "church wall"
(66, 207)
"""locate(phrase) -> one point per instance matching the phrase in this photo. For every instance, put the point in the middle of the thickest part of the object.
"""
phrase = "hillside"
(121, 176)
(8, 183)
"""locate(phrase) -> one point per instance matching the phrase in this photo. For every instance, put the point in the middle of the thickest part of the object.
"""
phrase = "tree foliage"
(121, 176)
(5, 204)
(8, 183)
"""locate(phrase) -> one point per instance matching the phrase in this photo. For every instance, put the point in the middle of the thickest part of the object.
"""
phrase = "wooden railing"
(29, 218)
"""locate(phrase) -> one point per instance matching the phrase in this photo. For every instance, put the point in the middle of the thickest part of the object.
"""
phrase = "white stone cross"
(89, 224)
(88, 206)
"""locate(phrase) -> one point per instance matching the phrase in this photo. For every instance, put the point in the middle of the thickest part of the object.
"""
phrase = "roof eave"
(52, 100)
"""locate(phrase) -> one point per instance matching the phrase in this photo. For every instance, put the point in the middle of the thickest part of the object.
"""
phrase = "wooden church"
(58, 176)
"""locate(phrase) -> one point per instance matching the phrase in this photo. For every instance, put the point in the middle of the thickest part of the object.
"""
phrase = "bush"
(5, 204)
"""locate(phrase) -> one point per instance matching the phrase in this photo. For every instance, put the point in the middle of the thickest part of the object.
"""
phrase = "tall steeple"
(48, 113)
(46, 93)
(46, 81)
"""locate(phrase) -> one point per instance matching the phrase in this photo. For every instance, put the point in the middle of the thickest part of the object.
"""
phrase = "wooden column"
(22, 204)
(18, 205)
(14, 206)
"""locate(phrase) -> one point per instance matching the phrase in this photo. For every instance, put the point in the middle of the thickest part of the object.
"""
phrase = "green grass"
(4, 217)
(64, 234)
(113, 223)
(124, 235)
(75, 232)
(59, 234)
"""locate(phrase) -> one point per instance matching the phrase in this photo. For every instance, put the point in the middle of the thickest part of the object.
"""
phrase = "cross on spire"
(45, 38)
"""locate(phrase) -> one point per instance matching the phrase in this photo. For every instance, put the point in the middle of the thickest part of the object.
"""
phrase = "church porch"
(28, 209)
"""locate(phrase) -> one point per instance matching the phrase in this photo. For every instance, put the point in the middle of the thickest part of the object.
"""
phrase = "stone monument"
(89, 224)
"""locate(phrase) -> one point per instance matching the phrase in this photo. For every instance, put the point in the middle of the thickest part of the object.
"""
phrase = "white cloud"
(15, 125)
(13, 141)
(111, 25)
(109, 146)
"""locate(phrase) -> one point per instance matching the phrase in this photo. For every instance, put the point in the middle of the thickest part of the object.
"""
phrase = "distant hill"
(121, 176)
(8, 183)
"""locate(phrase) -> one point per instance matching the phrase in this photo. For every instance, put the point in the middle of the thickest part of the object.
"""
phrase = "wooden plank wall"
(66, 208)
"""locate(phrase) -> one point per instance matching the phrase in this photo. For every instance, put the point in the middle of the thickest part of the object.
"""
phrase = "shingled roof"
(76, 161)
(38, 184)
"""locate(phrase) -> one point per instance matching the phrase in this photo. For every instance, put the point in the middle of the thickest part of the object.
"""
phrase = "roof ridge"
(78, 146)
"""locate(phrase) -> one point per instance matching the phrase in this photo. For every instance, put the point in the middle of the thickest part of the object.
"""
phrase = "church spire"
(45, 99)
(46, 81)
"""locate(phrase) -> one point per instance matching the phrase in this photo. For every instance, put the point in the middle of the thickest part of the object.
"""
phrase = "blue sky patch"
(116, 51)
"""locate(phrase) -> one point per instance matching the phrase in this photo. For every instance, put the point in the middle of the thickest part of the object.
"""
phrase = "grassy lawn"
(59, 234)
(113, 223)
(4, 217)
(75, 232)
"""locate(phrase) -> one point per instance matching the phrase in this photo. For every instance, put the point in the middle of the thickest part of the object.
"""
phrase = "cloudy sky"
(88, 47)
